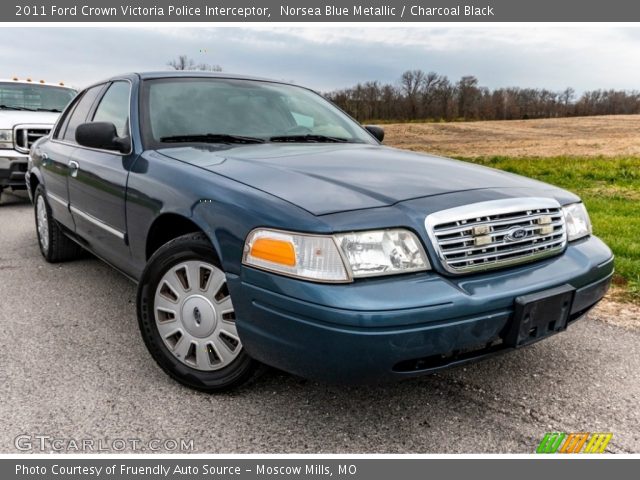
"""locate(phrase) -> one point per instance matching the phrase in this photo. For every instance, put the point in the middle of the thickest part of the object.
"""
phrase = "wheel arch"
(34, 180)
(169, 226)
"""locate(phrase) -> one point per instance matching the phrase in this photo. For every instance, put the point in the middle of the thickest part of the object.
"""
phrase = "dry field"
(616, 135)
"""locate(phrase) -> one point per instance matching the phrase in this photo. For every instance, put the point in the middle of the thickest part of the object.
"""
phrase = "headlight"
(577, 221)
(6, 139)
(382, 252)
(335, 258)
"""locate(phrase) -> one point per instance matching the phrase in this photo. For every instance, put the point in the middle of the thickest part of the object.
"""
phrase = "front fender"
(224, 209)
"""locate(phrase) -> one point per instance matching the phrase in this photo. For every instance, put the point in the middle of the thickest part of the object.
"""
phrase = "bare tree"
(183, 62)
(468, 94)
(567, 95)
(430, 85)
(410, 83)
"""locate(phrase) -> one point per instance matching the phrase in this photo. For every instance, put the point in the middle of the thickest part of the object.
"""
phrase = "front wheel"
(187, 319)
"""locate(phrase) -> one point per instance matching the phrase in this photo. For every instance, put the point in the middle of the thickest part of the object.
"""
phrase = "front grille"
(495, 234)
(24, 136)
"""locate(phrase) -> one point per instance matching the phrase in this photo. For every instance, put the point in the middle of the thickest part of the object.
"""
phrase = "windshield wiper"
(13, 107)
(48, 110)
(309, 138)
(211, 138)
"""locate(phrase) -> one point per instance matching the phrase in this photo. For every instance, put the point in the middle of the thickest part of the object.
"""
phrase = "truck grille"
(495, 234)
(25, 135)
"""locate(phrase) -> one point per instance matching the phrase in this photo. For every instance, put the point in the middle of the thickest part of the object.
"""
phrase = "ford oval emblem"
(515, 234)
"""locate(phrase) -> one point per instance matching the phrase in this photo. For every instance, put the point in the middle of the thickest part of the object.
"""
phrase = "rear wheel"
(55, 246)
(187, 318)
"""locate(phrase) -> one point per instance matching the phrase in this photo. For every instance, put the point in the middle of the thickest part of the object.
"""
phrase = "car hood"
(11, 118)
(331, 178)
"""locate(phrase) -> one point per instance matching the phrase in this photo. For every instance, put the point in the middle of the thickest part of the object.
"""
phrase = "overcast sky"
(332, 57)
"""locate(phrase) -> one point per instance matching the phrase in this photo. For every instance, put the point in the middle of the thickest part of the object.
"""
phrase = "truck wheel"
(187, 319)
(55, 246)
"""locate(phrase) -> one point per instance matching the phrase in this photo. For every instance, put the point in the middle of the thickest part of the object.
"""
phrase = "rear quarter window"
(80, 112)
(114, 108)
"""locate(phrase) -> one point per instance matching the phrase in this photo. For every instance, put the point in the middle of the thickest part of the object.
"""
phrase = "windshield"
(218, 110)
(34, 97)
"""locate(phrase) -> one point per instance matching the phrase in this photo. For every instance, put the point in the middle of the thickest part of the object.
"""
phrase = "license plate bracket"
(538, 315)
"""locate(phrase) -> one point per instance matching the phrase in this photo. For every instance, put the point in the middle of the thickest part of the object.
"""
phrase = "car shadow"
(9, 197)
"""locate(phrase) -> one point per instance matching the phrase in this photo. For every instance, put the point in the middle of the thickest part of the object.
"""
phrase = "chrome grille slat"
(468, 226)
(24, 136)
(467, 238)
(461, 246)
(494, 245)
(501, 253)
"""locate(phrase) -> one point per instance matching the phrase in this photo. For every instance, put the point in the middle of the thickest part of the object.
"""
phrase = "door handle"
(73, 168)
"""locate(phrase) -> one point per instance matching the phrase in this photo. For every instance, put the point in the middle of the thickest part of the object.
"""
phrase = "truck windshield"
(220, 110)
(34, 97)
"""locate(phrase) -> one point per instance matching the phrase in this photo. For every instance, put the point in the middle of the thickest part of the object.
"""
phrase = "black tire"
(194, 246)
(57, 247)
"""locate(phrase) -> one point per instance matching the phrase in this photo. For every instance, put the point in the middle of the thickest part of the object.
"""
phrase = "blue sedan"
(264, 226)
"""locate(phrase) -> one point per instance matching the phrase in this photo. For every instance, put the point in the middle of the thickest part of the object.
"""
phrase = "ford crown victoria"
(265, 226)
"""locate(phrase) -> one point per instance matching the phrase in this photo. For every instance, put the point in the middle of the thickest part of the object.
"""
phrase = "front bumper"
(397, 327)
(13, 167)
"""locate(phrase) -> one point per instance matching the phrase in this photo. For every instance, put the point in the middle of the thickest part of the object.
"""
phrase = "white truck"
(28, 110)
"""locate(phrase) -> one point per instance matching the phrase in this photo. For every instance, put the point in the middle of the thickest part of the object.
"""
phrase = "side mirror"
(102, 135)
(376, 131)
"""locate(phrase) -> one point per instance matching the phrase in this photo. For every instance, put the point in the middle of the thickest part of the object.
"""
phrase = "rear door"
(56, 154)
(98, 180)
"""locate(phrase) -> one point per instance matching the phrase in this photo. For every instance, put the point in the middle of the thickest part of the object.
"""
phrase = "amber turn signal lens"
(312, 257)
(276, 251)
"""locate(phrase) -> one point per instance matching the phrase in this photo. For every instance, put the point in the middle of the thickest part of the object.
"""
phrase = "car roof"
(190, 74)
(197, 73)
(131, 76)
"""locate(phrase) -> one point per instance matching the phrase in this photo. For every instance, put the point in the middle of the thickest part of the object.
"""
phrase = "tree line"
(429, 96)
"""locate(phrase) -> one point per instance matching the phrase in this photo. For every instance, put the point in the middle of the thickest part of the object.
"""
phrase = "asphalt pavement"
(73, 367)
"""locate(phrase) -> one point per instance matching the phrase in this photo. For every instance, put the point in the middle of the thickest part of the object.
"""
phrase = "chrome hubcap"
(42, 223)
(195, 317)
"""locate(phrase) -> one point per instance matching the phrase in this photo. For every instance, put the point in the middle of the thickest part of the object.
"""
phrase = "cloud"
(331, 57)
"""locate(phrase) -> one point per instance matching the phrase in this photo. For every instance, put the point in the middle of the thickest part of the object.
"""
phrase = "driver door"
(98, 181)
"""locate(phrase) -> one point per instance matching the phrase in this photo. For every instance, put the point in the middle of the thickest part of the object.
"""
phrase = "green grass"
(610, 188)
